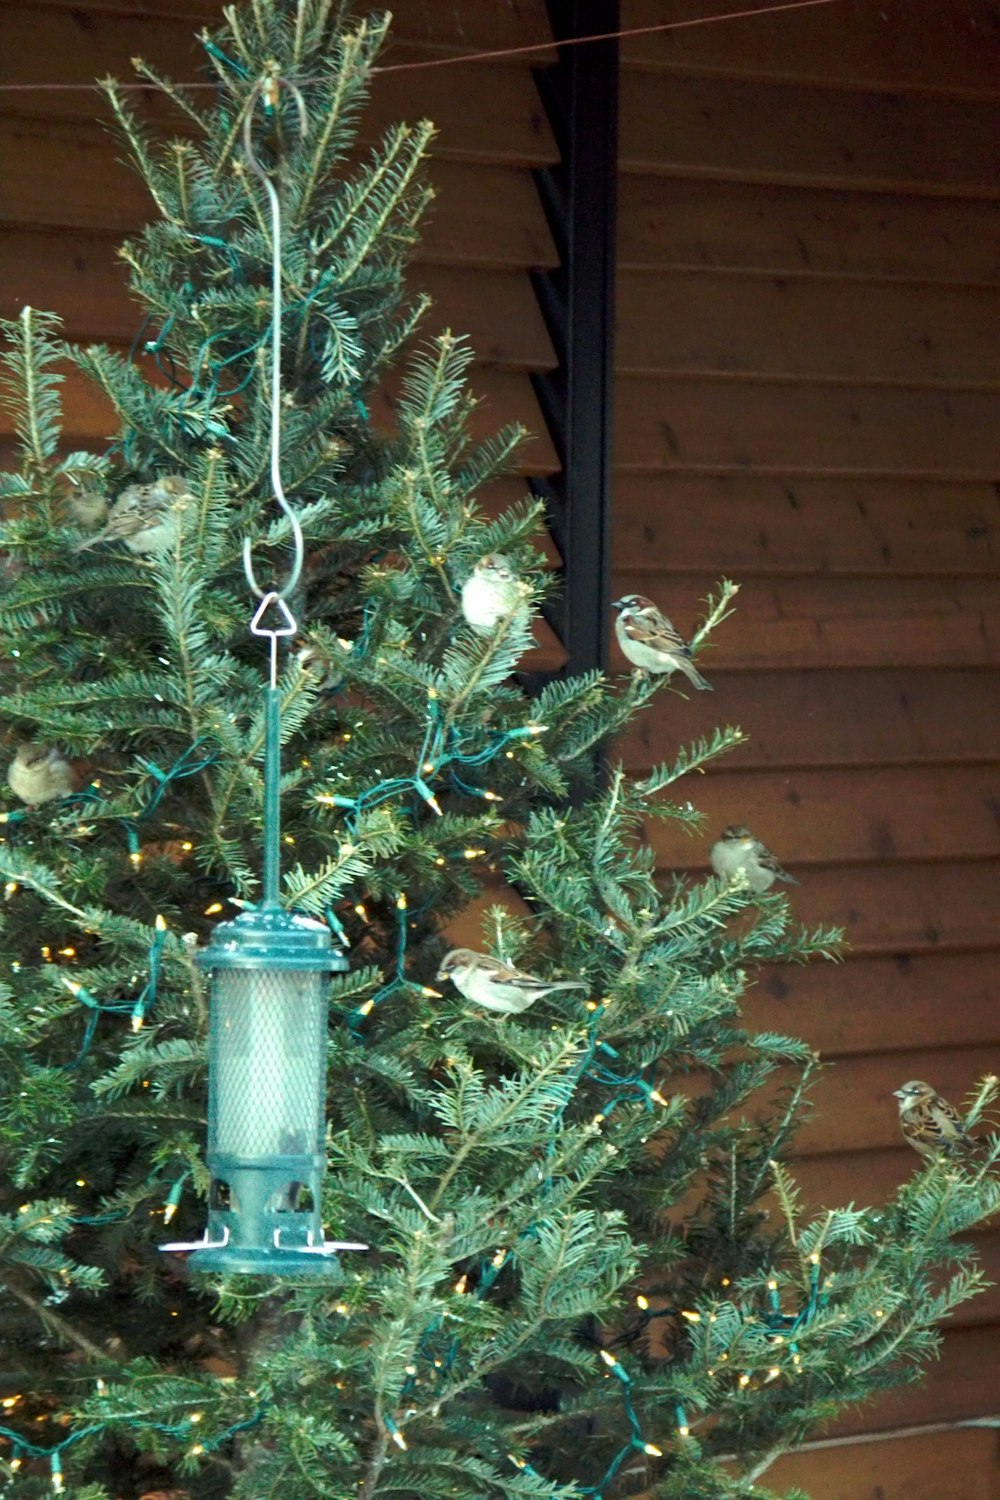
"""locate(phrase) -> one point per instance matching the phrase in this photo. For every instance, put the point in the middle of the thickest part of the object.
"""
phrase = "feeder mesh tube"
(268, 1074)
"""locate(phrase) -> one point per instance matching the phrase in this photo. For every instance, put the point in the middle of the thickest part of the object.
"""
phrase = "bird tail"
(693, 675)
(570, 984)
(788, 879)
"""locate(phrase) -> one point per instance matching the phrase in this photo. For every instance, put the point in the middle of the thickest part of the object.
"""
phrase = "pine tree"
(590, 1273)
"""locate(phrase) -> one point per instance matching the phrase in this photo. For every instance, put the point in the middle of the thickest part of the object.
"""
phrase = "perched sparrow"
(737, 852)
(491, 592)
(88, 508)
(486, 981)
(143, 517)
(651, 643)
(40, 773)
(317, 661)
(929, 1123)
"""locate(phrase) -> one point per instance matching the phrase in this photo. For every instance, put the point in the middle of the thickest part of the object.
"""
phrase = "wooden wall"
(808, 388)
(67, 201)
(808, 376)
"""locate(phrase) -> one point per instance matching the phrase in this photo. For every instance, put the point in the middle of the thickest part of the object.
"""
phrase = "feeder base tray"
(243, 1260)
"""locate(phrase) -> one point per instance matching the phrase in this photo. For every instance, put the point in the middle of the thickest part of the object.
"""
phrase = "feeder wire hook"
(268, 89)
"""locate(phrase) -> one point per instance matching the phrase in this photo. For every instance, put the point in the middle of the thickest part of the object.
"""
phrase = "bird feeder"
(269, 977)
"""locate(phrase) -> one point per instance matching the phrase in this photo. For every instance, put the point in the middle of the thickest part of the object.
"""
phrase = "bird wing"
(650, 628)
(766, 859)
(500, 973)
(945, 1120)
(145, 509)
(934, 1125)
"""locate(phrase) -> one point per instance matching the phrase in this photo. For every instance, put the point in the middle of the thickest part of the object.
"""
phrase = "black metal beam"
(577, 299)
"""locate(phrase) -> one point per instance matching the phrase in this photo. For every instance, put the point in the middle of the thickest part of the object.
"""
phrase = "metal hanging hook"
(268, 89)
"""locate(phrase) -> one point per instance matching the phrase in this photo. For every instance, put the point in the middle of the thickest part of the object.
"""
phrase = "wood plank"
(889, 909)
(755, 131)
(961, 1465)
(705, 322)
(835, 622)
(741, 524)
(834, 815)
(824, 718)
(944, 906)
(416, 29)
(795, 427)
(962, 1383)
(75, 46)
(83, 278)
(922, 45)
(853, 1104)
(677, 221)
(881, 1004)
(869, 1177)
(503, 397)
(59, 175)
(485, 215)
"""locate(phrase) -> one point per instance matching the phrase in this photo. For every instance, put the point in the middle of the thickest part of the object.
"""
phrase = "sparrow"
(318, 662)
(651, 643)
(88, 509)
(929, 1123)
(491, 592)
(488, 982)
(143, 517)
(40, 773)
(737, 852)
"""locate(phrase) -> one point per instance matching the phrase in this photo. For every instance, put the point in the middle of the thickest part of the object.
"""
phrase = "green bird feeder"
(268, 1007)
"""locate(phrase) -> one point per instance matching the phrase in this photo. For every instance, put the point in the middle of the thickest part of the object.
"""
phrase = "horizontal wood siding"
(69, 198)
(809, 286)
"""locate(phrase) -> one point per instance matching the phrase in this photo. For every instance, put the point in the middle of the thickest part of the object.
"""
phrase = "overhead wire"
(461, 58)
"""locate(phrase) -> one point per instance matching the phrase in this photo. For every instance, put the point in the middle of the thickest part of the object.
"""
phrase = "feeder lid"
(268, 937)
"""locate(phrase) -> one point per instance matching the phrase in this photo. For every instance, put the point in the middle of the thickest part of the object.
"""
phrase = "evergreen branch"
(354, 52)
(53, 1321)
(718, 610)
(30, 385)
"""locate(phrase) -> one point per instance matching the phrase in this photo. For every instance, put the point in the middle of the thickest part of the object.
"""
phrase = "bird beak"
(441, 976)
(899, 1093)
(618, 604)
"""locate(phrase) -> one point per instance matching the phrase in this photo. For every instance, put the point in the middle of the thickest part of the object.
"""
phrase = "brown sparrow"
(88, 508)
(491, 592)
(488, 982)
(929, 1123)
(651, 643)
(143, 517)
(737, 852)
(40, 773)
